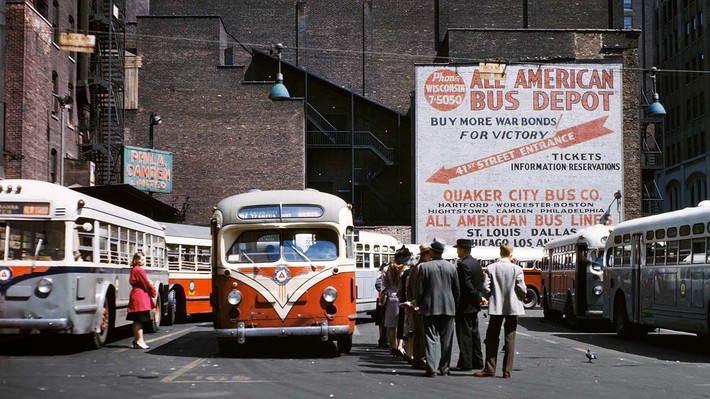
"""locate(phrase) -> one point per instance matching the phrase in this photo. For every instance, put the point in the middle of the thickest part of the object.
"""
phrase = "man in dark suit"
(437, 297)
(470, 279)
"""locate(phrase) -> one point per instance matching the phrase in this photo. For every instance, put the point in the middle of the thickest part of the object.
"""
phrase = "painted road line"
(182, 370)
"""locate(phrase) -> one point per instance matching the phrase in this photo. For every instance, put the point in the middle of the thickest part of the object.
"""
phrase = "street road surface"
(184, 362)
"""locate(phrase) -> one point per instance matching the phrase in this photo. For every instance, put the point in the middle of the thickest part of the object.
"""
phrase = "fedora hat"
(464, 243)
(423, 248)
(437, 246)
(402, 255)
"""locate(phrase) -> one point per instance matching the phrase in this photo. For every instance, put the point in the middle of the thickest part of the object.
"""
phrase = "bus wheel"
(622, 325)
(96, 340)
(345, 345)
(547, 311)
(531, 299)
(154, 324)
(570, 316)
(170, 308)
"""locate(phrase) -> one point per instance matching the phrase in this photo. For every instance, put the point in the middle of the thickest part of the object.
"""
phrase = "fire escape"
(103, 143)
(325, 135)
(651, 164)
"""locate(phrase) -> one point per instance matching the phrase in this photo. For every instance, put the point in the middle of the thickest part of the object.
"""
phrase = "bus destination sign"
(24, 208)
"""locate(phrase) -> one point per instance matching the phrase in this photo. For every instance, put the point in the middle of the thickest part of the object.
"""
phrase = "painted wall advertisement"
(526, 155)
(148, 169)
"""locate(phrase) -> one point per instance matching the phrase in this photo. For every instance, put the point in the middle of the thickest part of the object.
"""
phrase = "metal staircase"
(103, 143)
(327, 136)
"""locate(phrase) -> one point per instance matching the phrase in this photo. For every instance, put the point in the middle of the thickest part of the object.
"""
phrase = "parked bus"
(189, 251)
(371, 250)
(657, 273)
(283, 265)
(527, 258)
(572, 275)
(65, 261)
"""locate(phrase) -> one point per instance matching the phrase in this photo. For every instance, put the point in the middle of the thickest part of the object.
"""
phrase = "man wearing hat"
(417, 337)
(470, 279)
(437, 297)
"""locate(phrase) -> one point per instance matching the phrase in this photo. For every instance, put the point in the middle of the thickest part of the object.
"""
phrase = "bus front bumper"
(241, 332)
(593, 314)
(39, 324)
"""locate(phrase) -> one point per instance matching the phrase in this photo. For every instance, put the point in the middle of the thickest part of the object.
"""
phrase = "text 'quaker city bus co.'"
(525, 154)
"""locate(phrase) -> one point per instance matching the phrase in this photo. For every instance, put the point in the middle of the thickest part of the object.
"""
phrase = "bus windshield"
(292, 245)
(29, 238)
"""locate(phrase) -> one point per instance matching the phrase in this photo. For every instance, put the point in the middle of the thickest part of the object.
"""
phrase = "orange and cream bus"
(657, 273)
(527, 258)
(572, 271)
(65, 261)
(283, 265)
(189, 250)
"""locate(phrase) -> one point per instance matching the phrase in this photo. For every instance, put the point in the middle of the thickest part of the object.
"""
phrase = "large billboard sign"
(526, 155)
(148, 169)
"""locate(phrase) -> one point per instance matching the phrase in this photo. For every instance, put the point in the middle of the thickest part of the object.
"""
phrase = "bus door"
(636, 277)
(581, 275)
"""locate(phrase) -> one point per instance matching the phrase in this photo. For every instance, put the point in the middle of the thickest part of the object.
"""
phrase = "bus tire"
(570, 316)
(547, 311)
(531, 299)
(154, 324)
(622, 325)
(170, 309)
(96, 340)
(345, 345)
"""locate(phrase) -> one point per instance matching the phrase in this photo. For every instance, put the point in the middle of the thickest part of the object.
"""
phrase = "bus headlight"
(597, 290)
(234, 297)
(329, 294)
(44, 286)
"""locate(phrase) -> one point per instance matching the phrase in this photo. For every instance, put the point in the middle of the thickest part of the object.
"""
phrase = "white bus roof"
(595, 235)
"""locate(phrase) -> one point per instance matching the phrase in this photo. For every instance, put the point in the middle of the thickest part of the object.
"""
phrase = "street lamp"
(655, 110)
(65, 103)
(606, 217)
(278, 90)
(155, 120)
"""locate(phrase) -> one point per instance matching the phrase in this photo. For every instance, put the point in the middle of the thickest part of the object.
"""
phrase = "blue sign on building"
(147, 169)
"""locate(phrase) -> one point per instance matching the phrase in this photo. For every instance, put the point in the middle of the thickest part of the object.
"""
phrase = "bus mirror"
(86, 226)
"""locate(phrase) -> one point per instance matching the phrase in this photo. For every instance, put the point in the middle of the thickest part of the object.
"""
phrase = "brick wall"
(226, 136)
(31, 130)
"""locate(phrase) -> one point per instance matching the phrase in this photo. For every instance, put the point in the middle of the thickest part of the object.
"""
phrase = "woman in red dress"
(139, 302)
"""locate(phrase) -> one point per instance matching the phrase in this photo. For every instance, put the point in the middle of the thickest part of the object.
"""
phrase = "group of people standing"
(426, 303)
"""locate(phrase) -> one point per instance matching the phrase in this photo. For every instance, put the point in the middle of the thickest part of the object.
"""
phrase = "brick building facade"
(205, 67)
(36, 72)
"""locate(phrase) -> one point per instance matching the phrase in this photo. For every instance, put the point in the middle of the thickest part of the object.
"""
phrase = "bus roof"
(331, 204)
(65, 202)
(595, 235)
(186, 230)
(700, 213)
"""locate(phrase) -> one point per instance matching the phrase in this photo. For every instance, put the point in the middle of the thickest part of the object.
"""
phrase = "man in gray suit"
(503, 284)
(437, 297)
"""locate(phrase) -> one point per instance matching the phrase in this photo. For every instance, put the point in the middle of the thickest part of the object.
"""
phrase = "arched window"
(673, 195)
(696, 187)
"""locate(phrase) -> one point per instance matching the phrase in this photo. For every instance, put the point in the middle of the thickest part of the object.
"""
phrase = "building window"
(628, 22)
(42, 8)
(627, 5)
(70, 107)
(696, 187)
(673, 195)
(53, 166)
(55, 20)
(55, 93)
(72, 30)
